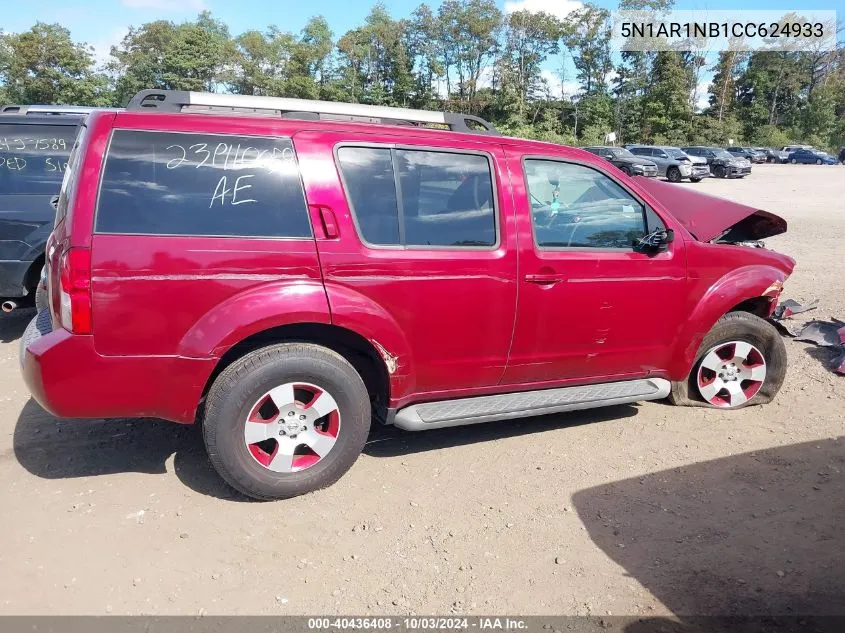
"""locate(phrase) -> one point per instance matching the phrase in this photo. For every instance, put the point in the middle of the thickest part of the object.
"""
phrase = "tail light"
(75, 290)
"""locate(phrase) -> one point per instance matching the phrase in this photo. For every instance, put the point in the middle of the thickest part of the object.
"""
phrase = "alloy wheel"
(731, 374)
(292, 427)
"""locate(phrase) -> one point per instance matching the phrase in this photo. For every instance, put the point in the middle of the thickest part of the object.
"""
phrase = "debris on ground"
(822, 333)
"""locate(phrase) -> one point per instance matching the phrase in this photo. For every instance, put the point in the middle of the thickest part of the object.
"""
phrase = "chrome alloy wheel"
(292, 427)
(730, 374)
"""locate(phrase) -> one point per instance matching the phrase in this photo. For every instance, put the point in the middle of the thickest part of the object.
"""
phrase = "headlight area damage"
(713, 219)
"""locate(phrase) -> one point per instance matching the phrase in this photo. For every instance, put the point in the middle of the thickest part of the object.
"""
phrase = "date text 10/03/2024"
(419, 623)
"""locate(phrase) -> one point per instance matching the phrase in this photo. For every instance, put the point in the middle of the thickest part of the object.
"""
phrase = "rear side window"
(420, 198)
(33, 158)
(172, 183)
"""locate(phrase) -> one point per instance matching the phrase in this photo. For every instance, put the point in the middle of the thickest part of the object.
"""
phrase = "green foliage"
(465, 55)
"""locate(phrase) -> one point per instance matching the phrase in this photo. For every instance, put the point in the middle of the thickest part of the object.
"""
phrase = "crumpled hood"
(709, 217)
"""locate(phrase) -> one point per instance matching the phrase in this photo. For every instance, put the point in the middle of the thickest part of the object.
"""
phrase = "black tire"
(673, 174)
(771, 159)
(793, 161)
(818, 161)
(695, 179)
(719, 171)
(742, 326)
(625, 170)
(41, 324)
(237, 388)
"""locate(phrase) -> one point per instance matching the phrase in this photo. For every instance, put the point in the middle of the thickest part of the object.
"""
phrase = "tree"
(44, 65)
(528, 41)
(161, 54)
(667, 109)
(723, 91)
(587, 35)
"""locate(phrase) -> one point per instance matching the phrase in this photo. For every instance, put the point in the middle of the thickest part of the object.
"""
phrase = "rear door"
(187, 218)
(422, 232)
(590, 308)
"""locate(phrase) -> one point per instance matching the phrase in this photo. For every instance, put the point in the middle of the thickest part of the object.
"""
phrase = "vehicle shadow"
(14, 323)
(389, 441)
(53, 448)
(759, 533)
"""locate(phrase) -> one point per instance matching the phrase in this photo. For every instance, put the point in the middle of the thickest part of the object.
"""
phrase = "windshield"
(33, 158)
(720, 153)
(621, 152)
(675, 153)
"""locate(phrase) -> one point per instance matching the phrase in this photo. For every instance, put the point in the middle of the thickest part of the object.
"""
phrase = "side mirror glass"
(655, 242)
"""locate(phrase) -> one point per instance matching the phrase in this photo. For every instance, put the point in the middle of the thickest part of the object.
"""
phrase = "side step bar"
(436, 415)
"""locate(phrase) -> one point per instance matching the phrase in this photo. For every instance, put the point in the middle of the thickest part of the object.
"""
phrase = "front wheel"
(818, 161)
(741, 362)
(719, 171)
(674, 174)
(695, 179)
(625, 170)
(285, 420)
(793, 161)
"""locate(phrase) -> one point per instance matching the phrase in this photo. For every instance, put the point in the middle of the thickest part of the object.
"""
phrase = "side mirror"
(655, 242)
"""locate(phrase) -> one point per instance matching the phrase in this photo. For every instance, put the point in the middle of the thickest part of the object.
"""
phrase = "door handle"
(544, 278)
(327, 220)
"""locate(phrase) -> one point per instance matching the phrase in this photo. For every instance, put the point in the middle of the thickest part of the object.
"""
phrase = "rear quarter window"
(173, 183)
(33, 158)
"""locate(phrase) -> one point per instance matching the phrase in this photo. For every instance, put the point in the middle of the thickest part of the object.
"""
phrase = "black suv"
(722, 164)
(629, 163)
(35, 142)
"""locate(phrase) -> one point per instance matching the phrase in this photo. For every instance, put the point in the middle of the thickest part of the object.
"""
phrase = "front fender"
(735, 287)
(253, 311)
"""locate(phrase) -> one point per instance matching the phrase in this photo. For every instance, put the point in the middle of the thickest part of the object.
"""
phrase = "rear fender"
(254, 311)
(737, 286)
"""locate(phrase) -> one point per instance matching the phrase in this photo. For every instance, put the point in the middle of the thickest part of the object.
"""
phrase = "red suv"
(284, 270)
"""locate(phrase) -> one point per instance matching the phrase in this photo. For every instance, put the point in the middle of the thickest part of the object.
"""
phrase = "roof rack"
(45, 109)
(213, 103)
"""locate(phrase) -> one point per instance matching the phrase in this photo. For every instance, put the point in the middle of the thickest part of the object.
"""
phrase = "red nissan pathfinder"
(284, 271)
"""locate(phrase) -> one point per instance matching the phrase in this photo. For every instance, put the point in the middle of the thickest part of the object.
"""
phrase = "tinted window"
(446, 198)
(168, 183)
(368, 174)
(33, 158)
(579, 207)
(641, 151)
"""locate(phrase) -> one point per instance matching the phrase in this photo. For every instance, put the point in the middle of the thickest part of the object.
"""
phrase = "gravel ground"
(637, 510)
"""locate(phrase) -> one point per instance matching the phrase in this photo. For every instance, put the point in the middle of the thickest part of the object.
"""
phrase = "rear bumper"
(13, 277)
(68, 378)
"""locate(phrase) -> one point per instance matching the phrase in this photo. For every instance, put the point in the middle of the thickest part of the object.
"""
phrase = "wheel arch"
(753, 289)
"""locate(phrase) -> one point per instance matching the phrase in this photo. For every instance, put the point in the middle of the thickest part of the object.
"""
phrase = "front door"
(590, 308)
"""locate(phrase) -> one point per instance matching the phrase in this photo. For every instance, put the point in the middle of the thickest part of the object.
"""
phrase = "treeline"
(466, 55)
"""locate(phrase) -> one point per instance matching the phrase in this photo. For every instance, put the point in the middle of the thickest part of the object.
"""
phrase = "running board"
(436, 415)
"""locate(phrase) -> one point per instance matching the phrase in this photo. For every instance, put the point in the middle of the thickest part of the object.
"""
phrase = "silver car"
(672, 163)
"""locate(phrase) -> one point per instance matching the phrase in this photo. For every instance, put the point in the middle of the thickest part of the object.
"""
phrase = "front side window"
(173, 183)
(574, 206)
(420, 198)
(33, 158)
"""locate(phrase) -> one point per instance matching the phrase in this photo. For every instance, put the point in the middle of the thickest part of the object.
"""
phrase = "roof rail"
(45, 109)
(213, 103)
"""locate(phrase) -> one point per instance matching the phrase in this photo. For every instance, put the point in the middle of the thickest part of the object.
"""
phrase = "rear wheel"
(625, 169)
(793, 161)
(741, 362)
(285, 420)
(673, 174)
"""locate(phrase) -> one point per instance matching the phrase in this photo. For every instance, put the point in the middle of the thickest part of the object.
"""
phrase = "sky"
(102, 23)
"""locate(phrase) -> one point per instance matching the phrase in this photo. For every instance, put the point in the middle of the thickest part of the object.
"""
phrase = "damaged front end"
(717, 220)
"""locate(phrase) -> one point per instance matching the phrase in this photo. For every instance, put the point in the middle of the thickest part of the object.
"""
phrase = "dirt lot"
(643, 509)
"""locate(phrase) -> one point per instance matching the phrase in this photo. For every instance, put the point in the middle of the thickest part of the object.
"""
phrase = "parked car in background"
(749, 153)
(626, 161)
(722, 164)
(842, 155)
(792, 148)
(811, 157)
(261, 266)
(35, 143)
(774, 155)
(672, 163)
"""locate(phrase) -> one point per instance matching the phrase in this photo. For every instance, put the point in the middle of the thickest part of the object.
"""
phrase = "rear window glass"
(171, 183)
(33, 158)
